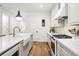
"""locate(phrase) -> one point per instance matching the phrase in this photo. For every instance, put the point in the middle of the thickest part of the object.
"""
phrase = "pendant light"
(18, 16)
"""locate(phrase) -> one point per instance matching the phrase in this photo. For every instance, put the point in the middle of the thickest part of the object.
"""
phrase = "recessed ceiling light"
(41, 5)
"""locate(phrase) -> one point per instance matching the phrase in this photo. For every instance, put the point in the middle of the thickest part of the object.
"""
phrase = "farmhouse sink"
(20, 36)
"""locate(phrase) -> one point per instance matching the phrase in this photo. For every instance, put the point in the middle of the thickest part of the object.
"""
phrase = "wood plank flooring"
(39, 49)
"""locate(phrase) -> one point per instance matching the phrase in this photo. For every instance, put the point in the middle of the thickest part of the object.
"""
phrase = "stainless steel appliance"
(62, 36)
(53, 42)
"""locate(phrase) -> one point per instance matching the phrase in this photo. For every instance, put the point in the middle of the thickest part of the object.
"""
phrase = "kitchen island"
(9, 44)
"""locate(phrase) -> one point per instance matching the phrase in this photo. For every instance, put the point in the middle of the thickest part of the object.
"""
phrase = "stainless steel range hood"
(63, 12)
(62, 18)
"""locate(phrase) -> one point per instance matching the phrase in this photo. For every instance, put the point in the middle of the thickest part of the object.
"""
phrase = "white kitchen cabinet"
(73, 13)
(4, 21)
(12, 50)
(5, 24)
(20, 47)
(27, 46)
(0, 20)
(63, 51)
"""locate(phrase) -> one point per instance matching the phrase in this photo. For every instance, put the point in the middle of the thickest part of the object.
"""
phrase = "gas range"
(62, 36)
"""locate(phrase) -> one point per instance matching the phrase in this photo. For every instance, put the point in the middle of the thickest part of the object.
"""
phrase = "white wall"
(7, 22)
(13, 23)
(10, 23)
(33, 23)
(53, 13)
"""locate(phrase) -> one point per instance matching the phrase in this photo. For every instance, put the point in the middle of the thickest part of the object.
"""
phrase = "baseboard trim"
(40, 41)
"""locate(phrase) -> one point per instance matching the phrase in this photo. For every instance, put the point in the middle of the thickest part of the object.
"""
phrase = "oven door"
(53, 43)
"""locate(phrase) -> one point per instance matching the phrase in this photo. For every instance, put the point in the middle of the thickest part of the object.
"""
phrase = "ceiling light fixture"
(41, 6)
(18, 16)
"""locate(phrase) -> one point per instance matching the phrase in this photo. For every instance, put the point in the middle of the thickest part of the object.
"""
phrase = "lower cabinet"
(19, 49)
(63, 51)
(27, 47)
(14, 51)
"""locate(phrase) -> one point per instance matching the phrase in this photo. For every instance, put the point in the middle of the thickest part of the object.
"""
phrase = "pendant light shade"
(18, 16)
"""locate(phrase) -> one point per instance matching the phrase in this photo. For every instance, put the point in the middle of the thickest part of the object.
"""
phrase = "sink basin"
(62, 36)
(22, 36)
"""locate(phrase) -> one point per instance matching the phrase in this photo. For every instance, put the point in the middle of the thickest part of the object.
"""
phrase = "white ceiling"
(31, 7)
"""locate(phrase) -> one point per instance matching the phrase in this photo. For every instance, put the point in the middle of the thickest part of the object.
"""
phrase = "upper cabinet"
(4, 21)
(59, 14)
(73, 13)
(0, 20)
(5, 24)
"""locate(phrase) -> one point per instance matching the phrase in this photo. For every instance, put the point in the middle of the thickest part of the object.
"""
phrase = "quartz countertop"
(8, 41)
(72, 44)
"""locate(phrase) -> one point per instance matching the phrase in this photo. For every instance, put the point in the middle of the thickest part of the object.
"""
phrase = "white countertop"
(71, 44)
(8, 41)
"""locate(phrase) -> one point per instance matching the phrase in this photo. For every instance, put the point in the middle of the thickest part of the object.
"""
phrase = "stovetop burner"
(62, 36)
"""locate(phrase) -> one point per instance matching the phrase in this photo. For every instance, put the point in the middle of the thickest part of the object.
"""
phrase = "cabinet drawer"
(63, 52)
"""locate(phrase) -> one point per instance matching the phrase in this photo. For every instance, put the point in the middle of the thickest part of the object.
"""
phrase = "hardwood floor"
(39, 49)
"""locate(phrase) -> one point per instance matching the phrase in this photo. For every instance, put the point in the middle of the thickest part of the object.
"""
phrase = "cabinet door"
(59, 50)
(63, 51)
(73, 13)
(5, 24)
(0, 20)
(21, 53)
(28, 45)
(11, 51)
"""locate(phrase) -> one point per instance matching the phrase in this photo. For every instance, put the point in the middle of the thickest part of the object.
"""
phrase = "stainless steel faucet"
(16, 27)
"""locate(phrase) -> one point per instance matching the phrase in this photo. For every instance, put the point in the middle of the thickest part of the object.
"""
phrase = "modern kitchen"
(39, 29)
